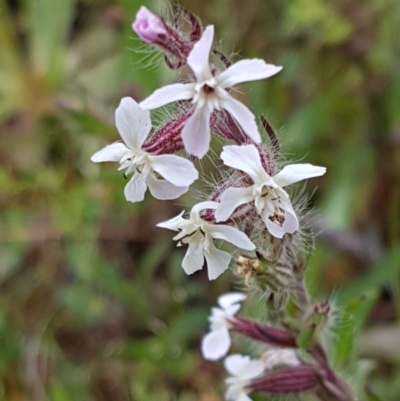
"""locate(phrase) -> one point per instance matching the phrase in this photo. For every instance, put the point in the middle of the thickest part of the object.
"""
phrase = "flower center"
(132, 162)
(278, 217)
(207, 89)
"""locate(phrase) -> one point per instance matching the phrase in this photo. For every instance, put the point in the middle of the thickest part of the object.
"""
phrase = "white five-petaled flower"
(271, 200)
(134, 125)
(217, 342)
(199, 235)
(242, 370)
(209, 93)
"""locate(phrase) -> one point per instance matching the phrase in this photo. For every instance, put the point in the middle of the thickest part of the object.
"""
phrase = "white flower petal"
(243, 116)
(168, 94)
(232, 235)
(243, 367)
(274, 229)
(172, 224)
(194, 258)
(232, 310)
(246, 158)
(231, 199)
(175, 169)
(162, 189)
(280, 357)
(133, 123)
(230, 299)
(136, 188)
(247, 70)
(297, 172)
(198, 59)
(235, 390)
(234, 364)
(253, 369)
(196, 209)
(291, 223)
(111, 153)
(217, 261)
(216, 344)
(196, 133)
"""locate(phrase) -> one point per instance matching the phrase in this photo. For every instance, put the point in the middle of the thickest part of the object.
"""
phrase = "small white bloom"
(271, 200)
(199, 235)
(217, 342)
(242, 370)
(134, 125)
(209, 93)
(280, 357)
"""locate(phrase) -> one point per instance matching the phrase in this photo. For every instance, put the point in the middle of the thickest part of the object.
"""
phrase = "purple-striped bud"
(149, 27)
(267, 159)
(167, 139)
(263, 333)
(287, 381)
(227, 127)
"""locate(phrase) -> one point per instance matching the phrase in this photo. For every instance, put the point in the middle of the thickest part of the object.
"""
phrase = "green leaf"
(383, 273)
(349, 325)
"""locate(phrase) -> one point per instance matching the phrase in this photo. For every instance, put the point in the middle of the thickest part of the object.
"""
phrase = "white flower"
(199, 235)
(280, 357)
(209, 93)
(217, 342)
(134, 125)
(271, 200)
(242, 370)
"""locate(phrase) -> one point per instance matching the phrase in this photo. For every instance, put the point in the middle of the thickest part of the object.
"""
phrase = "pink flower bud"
(149, 26)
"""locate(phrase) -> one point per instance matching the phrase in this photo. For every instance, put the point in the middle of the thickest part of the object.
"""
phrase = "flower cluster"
(248, 207)
(208, 107)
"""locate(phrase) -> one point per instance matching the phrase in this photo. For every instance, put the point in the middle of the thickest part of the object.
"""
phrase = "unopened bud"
(267, 159)
(227, 127)
(263, 333)
(287, 381)
(175, 42)
(149, 27)
(167, 139)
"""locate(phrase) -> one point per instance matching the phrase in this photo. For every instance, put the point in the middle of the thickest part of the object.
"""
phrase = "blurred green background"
(93, 302)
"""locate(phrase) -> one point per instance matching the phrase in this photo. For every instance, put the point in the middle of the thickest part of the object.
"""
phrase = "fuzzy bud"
(227, 127)
(167, 139)
(149, 27)
(173, 41)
